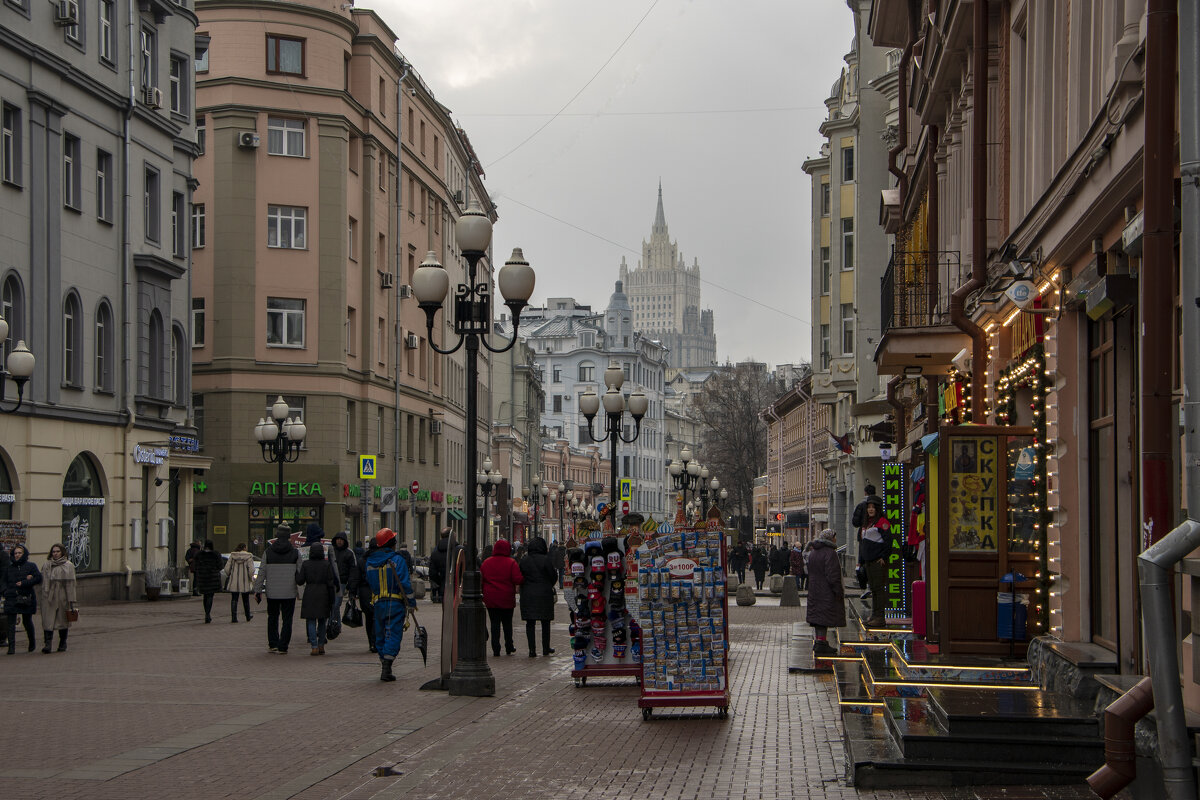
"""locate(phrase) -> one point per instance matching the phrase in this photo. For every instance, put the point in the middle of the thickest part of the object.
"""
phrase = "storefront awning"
(454, 513)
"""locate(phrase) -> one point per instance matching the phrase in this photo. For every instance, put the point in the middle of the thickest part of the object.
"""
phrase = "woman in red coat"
(501, 577)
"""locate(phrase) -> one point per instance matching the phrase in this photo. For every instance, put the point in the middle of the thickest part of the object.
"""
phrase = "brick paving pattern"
(151, 702)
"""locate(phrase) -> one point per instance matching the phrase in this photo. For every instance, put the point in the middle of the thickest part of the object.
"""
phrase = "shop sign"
(973, 495)
(682, 568)
(147, 454)
(290, 489)
(895, 578)
(182, 443)
(1026, 332)
(83, 501)
(7, 498)
(437, 497)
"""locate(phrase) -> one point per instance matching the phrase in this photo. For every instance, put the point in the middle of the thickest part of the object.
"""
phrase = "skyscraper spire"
(660, 219)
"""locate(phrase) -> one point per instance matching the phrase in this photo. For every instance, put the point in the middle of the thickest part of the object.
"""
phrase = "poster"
(13, 532)
(973, 497)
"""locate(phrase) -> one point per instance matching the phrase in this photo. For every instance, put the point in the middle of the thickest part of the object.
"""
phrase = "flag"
(842, 443)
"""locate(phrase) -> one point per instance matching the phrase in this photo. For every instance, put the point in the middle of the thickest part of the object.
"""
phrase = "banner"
(973, 497)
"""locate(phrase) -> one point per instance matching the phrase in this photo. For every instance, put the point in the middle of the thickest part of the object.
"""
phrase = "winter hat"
(384, 537)
(316, 552)
(828, 535)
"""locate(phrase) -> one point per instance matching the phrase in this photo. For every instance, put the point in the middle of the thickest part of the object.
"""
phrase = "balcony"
(915, 311)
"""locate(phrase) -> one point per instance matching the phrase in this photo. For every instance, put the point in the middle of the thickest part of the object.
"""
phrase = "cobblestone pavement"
(150, 702)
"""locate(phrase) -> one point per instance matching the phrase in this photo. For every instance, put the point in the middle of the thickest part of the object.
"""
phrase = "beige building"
(798, 443)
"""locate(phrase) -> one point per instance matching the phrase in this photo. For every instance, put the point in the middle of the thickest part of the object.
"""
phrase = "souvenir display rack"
(602, 596)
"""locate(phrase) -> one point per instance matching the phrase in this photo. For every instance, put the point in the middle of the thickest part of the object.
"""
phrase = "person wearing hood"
(826, 592)
(360, 592)
(189, 558)
(17, 584)
(759, 563)
(277, 576)
(313, 534)
(538, 594)
(391, 596)
(796, 565)
(58, 597)
(437, 566)
(342, 558)
(558, 560)
(209, 564)
(5, 560)
(319, 578)
(875, 542)
(240, 572)
(501, 577)
(860, 510)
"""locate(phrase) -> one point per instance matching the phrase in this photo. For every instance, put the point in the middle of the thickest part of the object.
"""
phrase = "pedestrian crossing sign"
(626, 489)
(366, 468)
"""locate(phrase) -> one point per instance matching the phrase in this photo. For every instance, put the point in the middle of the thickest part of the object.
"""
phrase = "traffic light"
(779, 516)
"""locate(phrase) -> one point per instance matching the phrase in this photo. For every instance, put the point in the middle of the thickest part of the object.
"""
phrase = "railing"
(917, 288)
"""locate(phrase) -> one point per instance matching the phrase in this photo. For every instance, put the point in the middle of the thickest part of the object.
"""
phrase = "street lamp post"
(614, 408)
(472, 322)
(685, 475)
(489, 480)
(704, 491)
(20, 367)
(545, 492)
(280, 438)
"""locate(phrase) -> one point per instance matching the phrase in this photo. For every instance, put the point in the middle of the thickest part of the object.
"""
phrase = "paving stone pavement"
(150, 702)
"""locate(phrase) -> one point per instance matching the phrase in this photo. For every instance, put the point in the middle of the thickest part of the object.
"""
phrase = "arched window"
(104, 347)
(587, 372)
(157, 351)
(12, 308)
(179, 365)
(83, 514)
(72, 341)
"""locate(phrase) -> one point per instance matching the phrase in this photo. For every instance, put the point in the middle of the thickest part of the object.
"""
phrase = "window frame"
(11, 144)
(178, 94)
(826, 266)
(12, 308)
(151, 204)
(848, 165)
(847, 328)
(104, 186)
(848, 253)
(102, 362)
(180, 225)
(275, 220)
(148, 60)
(72, 343)
(286, 315)
(826, 199)
(106, 28)
(284, 127)
(72, 161)
(825, 343)
(198, 319)
(199, 225)
(273, 54)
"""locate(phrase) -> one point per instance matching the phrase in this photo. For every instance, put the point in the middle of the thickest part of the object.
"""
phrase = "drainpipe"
(128, 299)
(397, 272)
(1189, 278)
(1120, 755)
(979, 191)
(1162, 643)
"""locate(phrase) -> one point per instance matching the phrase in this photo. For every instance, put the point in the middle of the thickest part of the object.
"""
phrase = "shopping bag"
(352, 617)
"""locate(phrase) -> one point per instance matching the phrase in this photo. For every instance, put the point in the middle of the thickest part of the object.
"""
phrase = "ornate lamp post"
(472, 322)
(488, 481)
(704, 491)
(554, 502)
(614, 409)
(280, 439)
(545, 492)
(685, 475)
(20, 367)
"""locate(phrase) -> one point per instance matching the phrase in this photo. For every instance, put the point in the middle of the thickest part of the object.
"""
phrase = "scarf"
(59, 569)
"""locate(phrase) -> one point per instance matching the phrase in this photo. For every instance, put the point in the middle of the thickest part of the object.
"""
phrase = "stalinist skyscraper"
(665, 295)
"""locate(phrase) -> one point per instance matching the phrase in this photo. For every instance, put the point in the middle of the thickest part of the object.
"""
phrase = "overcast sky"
(721, 100)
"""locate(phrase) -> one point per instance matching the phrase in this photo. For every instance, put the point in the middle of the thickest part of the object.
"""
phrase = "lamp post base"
(471, 677)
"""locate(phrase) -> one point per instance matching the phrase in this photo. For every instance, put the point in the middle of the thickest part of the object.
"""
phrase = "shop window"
(83, 514)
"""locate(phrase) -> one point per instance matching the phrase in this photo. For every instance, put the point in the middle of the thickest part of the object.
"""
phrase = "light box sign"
(895, 493)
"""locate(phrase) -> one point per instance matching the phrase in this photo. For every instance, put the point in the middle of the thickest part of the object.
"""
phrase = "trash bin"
(1012, 612)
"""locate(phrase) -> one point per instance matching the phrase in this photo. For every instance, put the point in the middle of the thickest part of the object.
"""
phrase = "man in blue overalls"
(391, 595)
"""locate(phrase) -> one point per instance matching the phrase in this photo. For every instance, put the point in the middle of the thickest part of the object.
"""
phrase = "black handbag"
(352, 617)
(860, 572)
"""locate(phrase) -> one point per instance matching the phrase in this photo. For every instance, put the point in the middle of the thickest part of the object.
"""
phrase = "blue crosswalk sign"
(366, 468)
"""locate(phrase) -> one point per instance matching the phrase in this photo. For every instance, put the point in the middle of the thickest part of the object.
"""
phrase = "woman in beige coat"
(240, 581)
(58, 597)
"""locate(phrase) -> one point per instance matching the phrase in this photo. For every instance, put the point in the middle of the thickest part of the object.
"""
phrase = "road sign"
(414, 487)
(387, 500)
(366, 468)
(624, 506)
(600, 506)
(626, 489)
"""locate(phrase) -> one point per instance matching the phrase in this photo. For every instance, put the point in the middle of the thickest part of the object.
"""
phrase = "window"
(10, 142)
(202, 58)
(824, 347)
(826, 277)
(156, 383)
(285, 226)
(351, 225)
(178, 78)
(72, 341)
(436, 151)
(107, 18)
(351, 424)
(201, 135)
(848, 165)
(379, 431)
(557, 404)
(848, 243)
(12, 308)
(351, 330)
(848, 329)
(422, 137)
(585, 436)
(72, 163)
(557, 374)
(410, 125)
(181, 368)
(295, 405)
(587, 372)
(150, 212)
(74, 33)
(148, 59)
(382, 178)
(285, 56)
(825, 200)
(382, 97)
(197, 322)
(285, 322)
(199, 222)
(104, 186)
(179, 226)
(285, 137)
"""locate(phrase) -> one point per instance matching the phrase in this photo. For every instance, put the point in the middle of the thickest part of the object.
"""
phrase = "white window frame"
(72, 340)
(10, 142)
(847, 328)
(286, 137)
(824, 354)
(103, 377)
(149, 67)
(286, 313)
(151, 199)
(198, 317)
(104, 186)
(295, 219)
(177, 75)
(199, 224)
(72, 164)
(826, 270)
(105, 17)
(351, 225)
(180, 225)
(847, 244)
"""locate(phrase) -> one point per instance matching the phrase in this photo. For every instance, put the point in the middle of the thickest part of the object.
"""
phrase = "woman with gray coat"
(58, 597)
(826, 593)
(320, 582)
(538, 594)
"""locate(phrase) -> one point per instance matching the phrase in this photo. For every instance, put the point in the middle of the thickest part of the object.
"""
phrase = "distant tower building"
(665, 296)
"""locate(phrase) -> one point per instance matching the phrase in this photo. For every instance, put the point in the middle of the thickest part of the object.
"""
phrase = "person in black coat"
(208, 563)
(758, 563)
(320, 582)
(437, 566)
(360, 592)
(558, 560)
(537, 594)
(779, 560)
(4, 562)
(189, 558)
(17, 582)
(342, 558)
(739, 558)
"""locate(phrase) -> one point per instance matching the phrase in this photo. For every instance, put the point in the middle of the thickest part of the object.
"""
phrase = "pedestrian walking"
(778, 560)
(501, 577)
(558, 560)
(209, 564)
(874, 544)
(360, 592)
(739, 558)
(391, 594)
(796, 565)
(313, 534)
(826, 592)
(860, 510)
(342, 558)
(277, 577)
(58, 597)
(538, 593)
(758, 565)
(17, 586)
(239, 580)
(189, 558)
(5, 560)
(319, 578)
(437, 566)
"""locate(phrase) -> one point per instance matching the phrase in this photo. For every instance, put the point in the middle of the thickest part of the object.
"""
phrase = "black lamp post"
(472, 322)
(280, 439)
(488, 481)
(685, 476)
(614, 410)
(20, 367)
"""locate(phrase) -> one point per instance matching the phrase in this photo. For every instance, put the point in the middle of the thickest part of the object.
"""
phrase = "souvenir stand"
(684, 619)
(602, 596)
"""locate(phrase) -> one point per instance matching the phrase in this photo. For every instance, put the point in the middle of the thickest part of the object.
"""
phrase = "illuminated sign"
(146, 454)
(894, 507)
(290, 489)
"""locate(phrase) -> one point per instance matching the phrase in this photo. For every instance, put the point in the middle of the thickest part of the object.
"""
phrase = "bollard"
(789, 596)
(745, 595)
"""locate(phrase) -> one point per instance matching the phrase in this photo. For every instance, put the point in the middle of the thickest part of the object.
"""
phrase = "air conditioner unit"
(248, 139)
(410, 341)
(385, 280)
(152, 96)
(435, 427)
(405, 291)
(66, 12)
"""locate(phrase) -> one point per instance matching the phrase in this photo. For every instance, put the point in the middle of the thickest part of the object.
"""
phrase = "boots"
(32, 640)
(386, 672)
(49, 636)
(62, 640)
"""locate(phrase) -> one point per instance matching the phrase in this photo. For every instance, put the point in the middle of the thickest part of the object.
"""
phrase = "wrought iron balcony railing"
(917, 288)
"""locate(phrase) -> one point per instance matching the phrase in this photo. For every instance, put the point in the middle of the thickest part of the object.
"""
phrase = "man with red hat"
(391, 595)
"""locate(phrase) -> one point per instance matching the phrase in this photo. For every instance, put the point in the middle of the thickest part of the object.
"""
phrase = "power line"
(682, 112)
